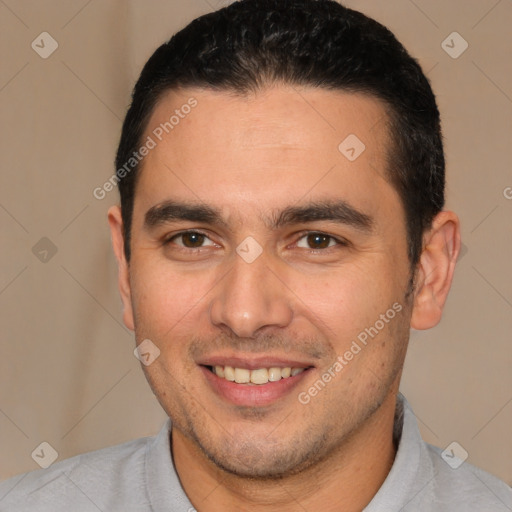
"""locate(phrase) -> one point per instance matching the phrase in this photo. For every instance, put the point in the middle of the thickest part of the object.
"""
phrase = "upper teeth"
(259, 376)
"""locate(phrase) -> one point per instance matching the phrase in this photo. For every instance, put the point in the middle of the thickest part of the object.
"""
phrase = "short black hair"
(252, 44)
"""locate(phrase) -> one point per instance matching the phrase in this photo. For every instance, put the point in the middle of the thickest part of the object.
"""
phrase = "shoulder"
(81, 482)
(462, 486)
(426, 478)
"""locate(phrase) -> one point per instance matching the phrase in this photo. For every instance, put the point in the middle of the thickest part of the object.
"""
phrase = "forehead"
(266, 149)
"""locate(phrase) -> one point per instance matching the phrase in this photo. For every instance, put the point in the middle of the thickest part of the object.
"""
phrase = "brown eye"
(318, 241)
(191, 240)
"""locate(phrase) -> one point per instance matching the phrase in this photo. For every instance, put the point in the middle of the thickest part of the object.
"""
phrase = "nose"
(251, 298)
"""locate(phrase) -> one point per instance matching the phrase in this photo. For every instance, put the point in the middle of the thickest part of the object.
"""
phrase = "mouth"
(258, 377)
(253, 382)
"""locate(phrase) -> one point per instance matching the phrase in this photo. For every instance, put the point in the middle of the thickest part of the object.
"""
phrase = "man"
(281, 229)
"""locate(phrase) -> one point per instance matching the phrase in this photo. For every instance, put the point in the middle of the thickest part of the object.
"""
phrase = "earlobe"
(435, 270)
(115, 221)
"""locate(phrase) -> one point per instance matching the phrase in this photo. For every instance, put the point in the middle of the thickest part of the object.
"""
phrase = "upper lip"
(253, 363)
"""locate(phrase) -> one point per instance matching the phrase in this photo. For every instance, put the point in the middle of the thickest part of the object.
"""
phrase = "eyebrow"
(333, 210)
(169, 211)
(330, 210)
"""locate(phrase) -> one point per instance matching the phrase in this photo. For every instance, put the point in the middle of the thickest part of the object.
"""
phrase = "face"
(262, 251)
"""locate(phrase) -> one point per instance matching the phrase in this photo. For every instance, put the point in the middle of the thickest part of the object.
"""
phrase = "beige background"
(67, 370)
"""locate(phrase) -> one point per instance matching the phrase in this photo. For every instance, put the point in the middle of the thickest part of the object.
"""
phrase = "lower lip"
(252, 395)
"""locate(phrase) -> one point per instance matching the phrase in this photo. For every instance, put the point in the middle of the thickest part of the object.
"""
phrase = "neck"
(349, 477)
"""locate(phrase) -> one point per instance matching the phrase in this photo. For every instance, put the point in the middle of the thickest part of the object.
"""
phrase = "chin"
(248, 460)
(262, 471)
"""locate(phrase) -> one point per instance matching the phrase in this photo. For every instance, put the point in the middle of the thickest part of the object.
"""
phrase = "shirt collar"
(162, 481)
(411, 469)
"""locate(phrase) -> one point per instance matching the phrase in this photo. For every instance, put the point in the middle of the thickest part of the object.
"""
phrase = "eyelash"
(339, 242)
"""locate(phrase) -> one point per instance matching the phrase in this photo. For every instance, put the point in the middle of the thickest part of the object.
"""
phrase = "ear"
(441, 245)
(115, 221)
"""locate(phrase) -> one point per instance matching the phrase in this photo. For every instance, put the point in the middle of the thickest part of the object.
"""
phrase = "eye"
(190, 240)
(318, 241)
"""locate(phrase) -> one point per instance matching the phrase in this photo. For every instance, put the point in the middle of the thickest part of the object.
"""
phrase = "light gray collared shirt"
(140, 476)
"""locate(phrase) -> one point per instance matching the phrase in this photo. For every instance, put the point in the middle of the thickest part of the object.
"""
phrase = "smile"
(258, 376)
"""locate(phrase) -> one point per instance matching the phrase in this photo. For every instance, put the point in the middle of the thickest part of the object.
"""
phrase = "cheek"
(167, 302)
(167, 306)
(347, 299)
